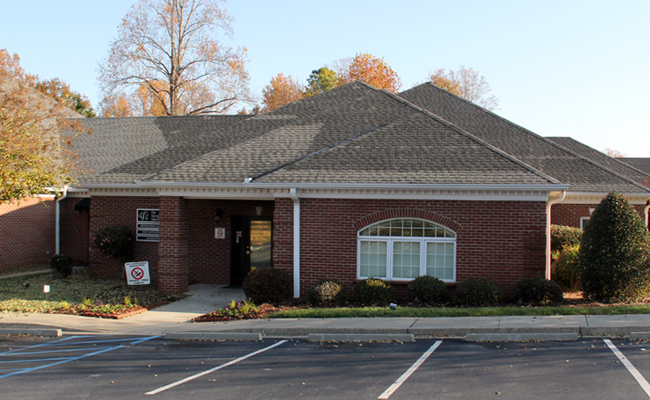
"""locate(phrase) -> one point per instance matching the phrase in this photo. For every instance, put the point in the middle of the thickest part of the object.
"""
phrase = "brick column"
(173, 252)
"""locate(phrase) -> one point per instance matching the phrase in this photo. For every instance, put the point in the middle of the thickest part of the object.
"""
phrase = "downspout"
(296, 242)
(549, 203)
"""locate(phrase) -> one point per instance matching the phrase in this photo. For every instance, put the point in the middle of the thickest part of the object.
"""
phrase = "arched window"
(403, 249)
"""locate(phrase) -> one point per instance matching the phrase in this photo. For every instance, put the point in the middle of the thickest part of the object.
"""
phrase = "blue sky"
(559, 68)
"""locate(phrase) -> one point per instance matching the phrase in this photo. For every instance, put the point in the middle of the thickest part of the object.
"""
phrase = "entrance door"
(252, 246)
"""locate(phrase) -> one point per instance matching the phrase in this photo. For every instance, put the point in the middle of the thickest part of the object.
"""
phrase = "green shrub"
(566, 269)
(115, 241)
(373, 291)
(427, 290)
(478, 292)
(615, 253)
(62, 264)
(328, 293)
(562, 236)
(268, 285)
(538, 291)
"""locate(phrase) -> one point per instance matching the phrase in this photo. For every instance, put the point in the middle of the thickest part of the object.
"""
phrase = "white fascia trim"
(596, 198)
(334, 186)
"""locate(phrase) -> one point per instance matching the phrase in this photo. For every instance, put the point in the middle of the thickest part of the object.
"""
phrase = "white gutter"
(296, 243)
(549, 203)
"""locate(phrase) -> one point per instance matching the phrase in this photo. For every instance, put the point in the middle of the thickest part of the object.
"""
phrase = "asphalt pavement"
(174, 321)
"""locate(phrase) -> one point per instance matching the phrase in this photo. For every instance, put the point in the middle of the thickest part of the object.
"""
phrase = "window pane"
(406, 259)
(407, 228)
(373, 259)
(440, 260)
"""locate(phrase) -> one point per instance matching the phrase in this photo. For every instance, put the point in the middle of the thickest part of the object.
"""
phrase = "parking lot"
(107, 367)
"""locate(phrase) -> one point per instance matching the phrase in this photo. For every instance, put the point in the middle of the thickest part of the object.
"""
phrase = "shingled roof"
(642, 164)
(567, 166)
(355, 134)
(615, 164)
(352, 134)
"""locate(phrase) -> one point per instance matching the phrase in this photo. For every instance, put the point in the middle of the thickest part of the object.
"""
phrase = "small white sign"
(46, 288)
(219, 233)
(137, 273)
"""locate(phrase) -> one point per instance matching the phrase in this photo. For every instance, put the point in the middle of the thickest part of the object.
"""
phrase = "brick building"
(352, 183)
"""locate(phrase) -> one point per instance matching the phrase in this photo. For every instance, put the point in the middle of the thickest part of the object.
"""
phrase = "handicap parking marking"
(635, 372)
(396, 385)
(229, 363)
(51, 362)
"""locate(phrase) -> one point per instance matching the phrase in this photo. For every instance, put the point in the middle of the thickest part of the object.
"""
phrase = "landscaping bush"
(427, 290)
(614, 253)
(373, 291)
(327, 293)
(538, 291)
(478, 292)
(566, 269)
(62, 264)
(268, 285)
(115, 241)
(562, 236)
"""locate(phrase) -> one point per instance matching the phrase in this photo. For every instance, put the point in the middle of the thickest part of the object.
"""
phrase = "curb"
(521, 337)
(356, 337)
(32, 332)
(234, 336)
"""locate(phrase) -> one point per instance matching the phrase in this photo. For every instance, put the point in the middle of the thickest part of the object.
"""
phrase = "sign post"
(137, 273)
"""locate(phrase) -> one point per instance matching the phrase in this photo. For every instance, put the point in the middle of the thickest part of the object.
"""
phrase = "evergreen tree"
(615, 253)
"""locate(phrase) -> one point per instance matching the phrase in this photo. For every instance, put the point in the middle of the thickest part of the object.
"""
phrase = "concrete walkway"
(175, 319)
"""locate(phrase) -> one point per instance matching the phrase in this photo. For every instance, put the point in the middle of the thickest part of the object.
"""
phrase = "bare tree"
(466, 83)
(614, 153)
(166, 52)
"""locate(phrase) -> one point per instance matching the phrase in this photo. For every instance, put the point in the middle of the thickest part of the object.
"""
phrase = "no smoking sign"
(137, 273)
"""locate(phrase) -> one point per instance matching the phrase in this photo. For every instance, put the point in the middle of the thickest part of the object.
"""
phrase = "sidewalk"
(175, 319)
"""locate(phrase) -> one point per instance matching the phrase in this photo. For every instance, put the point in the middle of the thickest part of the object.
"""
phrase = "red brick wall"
(120, 211)
(173, 251)
(569, 214)
(27, 232)
(504, 241)
(210, 257)
(74, 231)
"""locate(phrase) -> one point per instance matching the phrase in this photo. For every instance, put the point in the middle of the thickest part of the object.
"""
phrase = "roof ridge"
(612, 158)
(548, 141)
(474, 138)
(348, 140)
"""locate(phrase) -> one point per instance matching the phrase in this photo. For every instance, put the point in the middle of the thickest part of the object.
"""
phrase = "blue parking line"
(63, 360)
(26, 370)
(55, 351)
(34, 360)
(41, 345)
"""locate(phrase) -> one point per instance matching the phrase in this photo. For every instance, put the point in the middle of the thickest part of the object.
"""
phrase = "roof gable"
(581, 173)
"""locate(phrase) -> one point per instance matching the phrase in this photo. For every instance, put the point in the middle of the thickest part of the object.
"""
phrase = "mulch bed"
(262, 312)
(116, 314)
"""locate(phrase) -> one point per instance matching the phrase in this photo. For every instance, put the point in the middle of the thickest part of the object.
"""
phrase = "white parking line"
(189, 378)
(393, 388)
(635, 373)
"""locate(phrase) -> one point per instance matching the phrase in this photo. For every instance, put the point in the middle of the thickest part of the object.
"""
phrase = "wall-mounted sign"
(219, 233)
(137, 273)
(148, 225)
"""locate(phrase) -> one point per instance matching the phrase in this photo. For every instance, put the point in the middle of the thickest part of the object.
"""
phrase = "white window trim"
(582, 221)
(390, 240)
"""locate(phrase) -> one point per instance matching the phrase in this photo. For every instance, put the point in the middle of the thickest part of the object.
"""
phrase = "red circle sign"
(137, 273)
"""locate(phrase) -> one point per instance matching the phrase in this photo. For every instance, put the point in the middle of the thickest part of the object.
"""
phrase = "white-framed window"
(584, 221)
(403, 249)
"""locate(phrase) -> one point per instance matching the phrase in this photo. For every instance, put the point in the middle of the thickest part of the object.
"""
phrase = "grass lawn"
(15, 297)
(365, 312)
